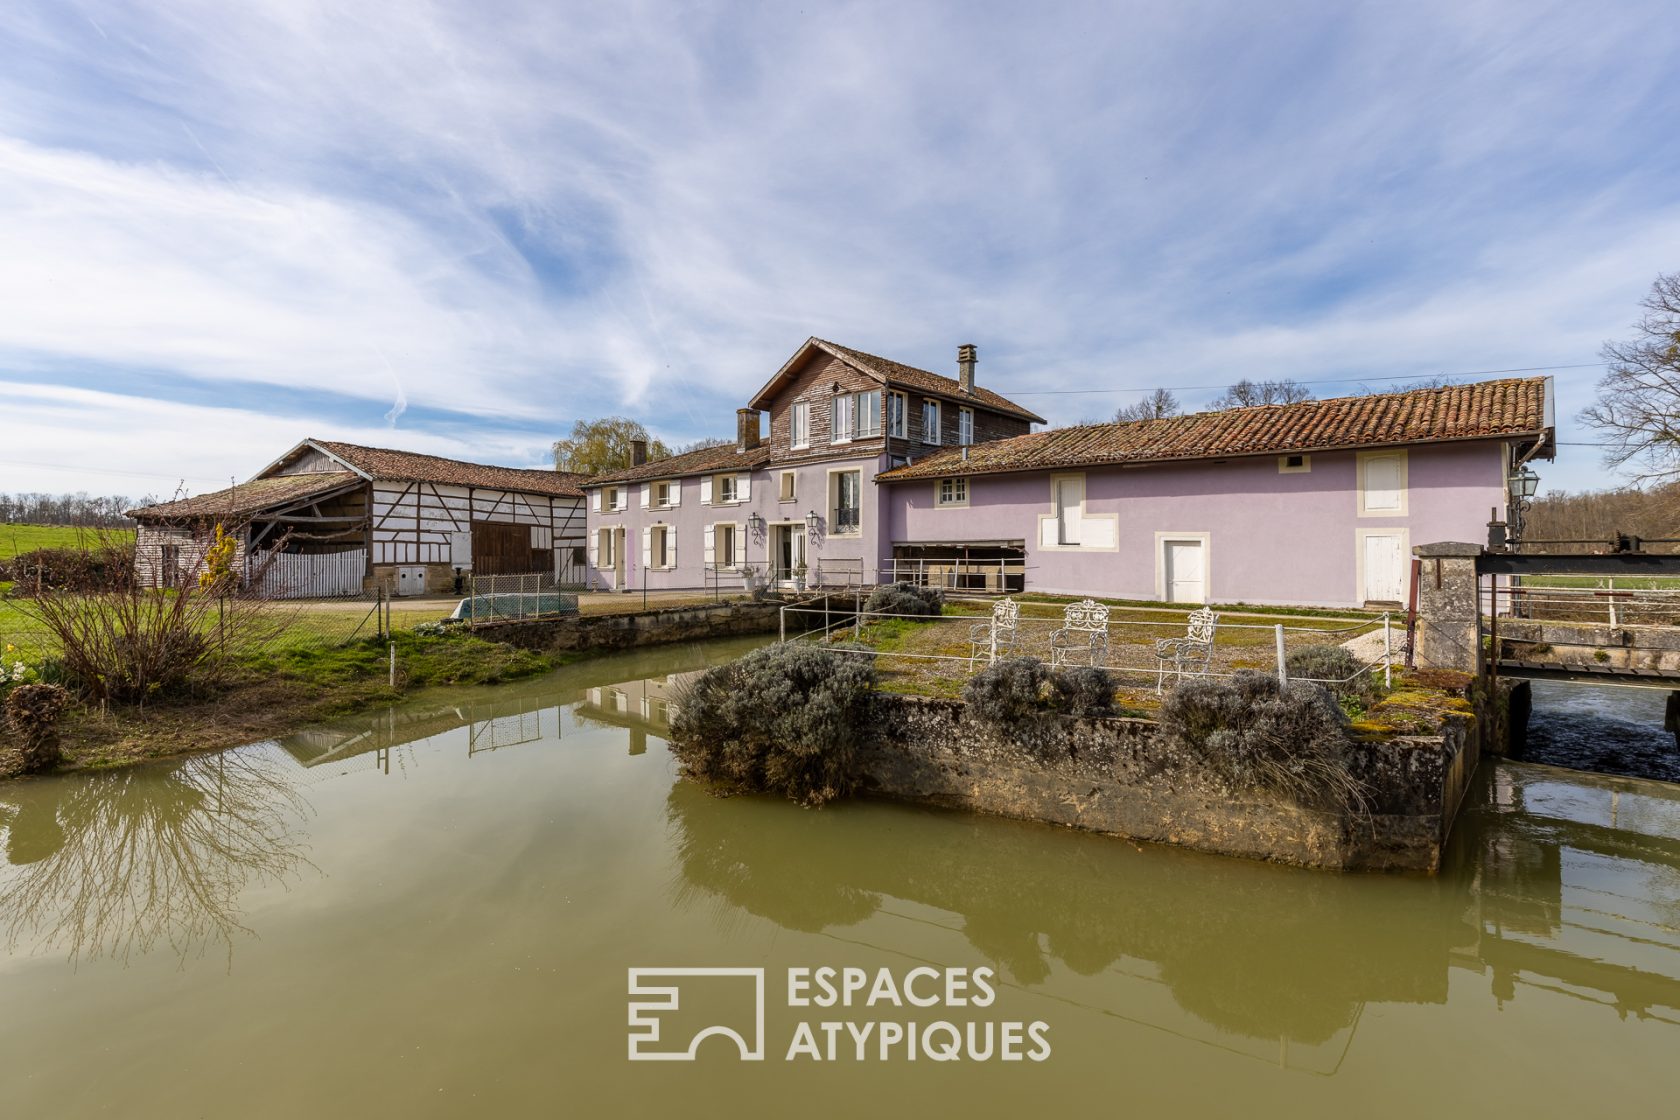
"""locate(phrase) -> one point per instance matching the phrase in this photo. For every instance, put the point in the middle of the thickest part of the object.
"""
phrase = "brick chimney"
(638, 452)
(966, 357)
(746, 429)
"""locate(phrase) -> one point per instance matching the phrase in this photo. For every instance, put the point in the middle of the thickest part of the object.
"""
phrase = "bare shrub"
(32, 714)
(1084, 691)
(783, 719)
(905, 598)
(71, 569)
(1258, 736)
(1009, 692)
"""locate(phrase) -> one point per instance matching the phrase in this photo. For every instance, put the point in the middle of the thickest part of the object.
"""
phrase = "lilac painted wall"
(1272, 537)
(690, 518)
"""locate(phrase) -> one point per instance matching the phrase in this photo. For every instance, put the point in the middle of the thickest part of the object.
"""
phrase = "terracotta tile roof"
(248, 497)
(411, 466)
(1487, 409)
(704, 461)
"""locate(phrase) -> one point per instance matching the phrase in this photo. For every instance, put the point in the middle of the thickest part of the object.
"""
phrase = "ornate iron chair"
(1083, 636)
(1191, 655)
(996, 637)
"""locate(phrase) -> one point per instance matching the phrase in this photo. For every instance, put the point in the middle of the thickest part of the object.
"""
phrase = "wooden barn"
(330, 518)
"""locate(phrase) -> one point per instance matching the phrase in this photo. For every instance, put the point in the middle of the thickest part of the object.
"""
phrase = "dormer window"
(930, 420)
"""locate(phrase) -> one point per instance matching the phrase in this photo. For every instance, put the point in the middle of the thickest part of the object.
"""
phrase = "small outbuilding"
(330, 518)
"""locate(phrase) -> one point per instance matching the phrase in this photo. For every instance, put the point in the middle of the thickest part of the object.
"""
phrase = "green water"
(432, 912)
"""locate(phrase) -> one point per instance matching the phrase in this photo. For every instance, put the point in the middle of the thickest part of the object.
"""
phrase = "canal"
(431, 912)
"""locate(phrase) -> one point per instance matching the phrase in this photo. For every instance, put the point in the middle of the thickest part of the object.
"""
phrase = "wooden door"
(500, 549)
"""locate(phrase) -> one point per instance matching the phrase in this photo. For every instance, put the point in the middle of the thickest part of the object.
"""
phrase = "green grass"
(1623, 583)
(15, 539)
(454, 659)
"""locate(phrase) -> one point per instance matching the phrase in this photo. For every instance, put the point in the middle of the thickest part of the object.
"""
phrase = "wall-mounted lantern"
(812, 521)
(755, 522)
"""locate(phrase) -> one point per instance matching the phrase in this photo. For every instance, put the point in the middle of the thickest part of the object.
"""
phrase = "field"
(15, 539)
(1622, 583)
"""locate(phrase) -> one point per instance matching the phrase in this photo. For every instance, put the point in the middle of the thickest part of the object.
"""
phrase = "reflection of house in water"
(1561, 883)
(502, 720)
(644, 707)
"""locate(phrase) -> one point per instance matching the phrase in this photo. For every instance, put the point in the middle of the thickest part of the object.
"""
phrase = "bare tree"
(1436, 382)
(1638, 406)
(701, 445)
(1247, 394)
(1156, 406)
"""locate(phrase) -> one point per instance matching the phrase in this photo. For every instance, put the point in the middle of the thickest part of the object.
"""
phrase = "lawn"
(1622, 583)
(15, 539)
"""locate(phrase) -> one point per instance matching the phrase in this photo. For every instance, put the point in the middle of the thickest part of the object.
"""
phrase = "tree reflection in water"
(109, 865)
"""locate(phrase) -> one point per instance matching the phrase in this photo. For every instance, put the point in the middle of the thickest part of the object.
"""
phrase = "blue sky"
(459, 227)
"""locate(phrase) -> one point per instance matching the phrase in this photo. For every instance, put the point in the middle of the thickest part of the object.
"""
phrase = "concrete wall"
(1272, 536)
(628, 631)
(1118, 776)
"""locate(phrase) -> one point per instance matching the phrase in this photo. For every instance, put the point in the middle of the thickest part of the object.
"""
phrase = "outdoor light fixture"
(811, 520)
(755, 523)
(1524, 484)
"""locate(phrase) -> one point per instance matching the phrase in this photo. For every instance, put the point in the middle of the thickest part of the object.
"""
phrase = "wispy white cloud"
(539, 211)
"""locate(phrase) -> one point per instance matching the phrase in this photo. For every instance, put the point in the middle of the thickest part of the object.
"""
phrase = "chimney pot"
(638, 452)
(746, 429)
(966, 358)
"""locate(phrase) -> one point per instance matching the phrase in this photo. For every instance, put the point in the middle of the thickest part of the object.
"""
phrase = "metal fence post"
(393, 664)
(1388, 654)
(781, 614)
(1282, 668)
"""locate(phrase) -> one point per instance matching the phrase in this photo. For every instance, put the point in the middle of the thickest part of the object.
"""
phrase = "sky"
(460, 227)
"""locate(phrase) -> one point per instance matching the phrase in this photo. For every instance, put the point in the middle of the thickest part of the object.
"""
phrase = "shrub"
(1008, 692)
(71, 569)
(783, 719)
(32, 712)
(1325, 664)
(905, 598)
(1257, 736)
(1084, 691)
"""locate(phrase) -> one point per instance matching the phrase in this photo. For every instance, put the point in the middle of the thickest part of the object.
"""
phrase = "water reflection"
(107, 865)
(1261, 952)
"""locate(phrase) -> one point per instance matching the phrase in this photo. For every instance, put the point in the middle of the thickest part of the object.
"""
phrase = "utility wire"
(1324, 381)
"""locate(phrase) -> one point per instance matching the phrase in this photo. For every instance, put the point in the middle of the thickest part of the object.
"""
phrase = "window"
(662, 493)
(1294, 464)
(930, 421)
(723, 546)
(953, 491)
(846, 499)
(898, 416)
(1382, 484)
(841, 430)
(787, 485)
(1070, 497)
(965, 426)
(868, 414)
(728, 488)
(170, 562)
(800, 424)
(659, 550)
(609, 498)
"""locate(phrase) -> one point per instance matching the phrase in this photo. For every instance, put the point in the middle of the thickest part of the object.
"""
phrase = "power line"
(1325, 381)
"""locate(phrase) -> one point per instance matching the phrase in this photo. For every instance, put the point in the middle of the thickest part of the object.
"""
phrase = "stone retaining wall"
(1119, 776)
(645, 628)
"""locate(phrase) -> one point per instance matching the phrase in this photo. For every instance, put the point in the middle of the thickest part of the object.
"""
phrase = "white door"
(1385, 578)
(1186, 571)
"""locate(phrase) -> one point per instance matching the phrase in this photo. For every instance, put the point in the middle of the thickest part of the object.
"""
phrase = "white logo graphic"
(644, 1028)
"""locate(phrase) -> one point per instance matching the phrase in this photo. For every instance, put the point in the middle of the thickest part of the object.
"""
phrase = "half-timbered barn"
(329, 518)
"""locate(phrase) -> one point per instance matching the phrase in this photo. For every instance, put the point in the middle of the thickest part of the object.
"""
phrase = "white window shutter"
(1382, 482)
(676, 491)
(647, 494)
(745, 491)
(595, 500)
(671, 547)
(1049, 532)
(647, 546)
(706, 490)
(711, 546)
(594, 550)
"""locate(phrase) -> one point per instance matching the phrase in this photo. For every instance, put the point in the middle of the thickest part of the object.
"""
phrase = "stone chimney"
(638, 452)
(746, 429)
(966, 357)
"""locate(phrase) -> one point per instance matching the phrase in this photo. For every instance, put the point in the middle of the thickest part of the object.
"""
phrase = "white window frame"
(799, 426)
(661, 534)
(663, 502)
(859, 430)
(1364, 460)
(931, 434)
(965, 426)
(611, 495)
(833, 503)
(727, 490)
(1304, 468)
(842, 418)
(787, 487)
(957, 486)
(898, 415)
(734, 560)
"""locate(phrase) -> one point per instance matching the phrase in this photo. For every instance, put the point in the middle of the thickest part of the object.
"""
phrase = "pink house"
(873, 470)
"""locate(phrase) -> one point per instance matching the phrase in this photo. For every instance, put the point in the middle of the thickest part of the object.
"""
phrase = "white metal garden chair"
(997, 637)
(1191, 655)
(1083, 636)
